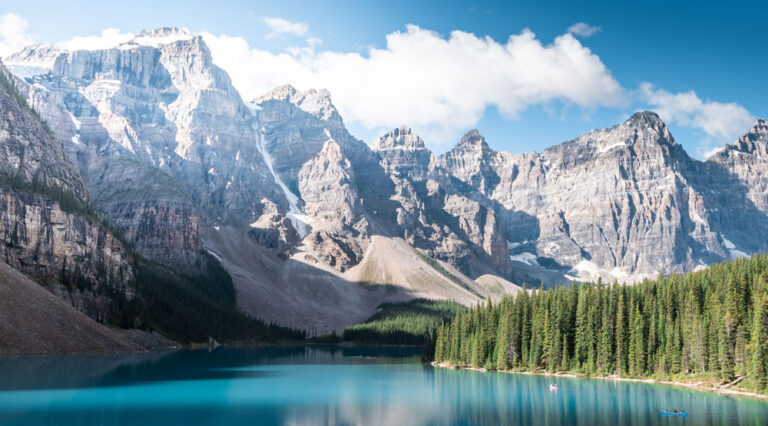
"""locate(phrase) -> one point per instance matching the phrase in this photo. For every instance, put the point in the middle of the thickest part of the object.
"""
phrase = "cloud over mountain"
(13, 34)
(721, 122)
(439, 85)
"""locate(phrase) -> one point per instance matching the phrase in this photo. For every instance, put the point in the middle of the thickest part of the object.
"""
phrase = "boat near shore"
(674, 413)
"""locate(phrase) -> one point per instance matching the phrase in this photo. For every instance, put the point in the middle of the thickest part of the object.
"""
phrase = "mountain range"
(147, 147)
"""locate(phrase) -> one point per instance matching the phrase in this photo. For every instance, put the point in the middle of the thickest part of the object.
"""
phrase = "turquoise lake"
(328, 385)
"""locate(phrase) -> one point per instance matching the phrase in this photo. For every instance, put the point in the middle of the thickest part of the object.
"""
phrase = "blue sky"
(656, 54)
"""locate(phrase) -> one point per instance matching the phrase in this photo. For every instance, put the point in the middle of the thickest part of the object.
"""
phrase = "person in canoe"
(674, 412)
(553, 387)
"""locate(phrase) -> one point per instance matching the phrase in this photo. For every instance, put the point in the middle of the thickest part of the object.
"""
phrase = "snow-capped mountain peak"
(312, 101)
(159, 37)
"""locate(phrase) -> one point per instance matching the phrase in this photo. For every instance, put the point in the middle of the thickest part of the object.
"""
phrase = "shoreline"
(174, 346)
(694, 386)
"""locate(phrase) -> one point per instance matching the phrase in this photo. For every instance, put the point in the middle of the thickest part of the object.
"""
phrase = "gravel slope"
(32, 320)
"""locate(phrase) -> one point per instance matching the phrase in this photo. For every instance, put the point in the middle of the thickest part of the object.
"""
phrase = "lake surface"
(328, 385)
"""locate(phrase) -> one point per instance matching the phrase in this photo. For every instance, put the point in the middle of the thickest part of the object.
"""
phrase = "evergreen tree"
(760, 344)
(503, 343)
(725, 349)
(621, 336)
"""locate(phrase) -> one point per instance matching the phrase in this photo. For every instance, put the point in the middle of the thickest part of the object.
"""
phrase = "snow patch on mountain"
(298, 219)
(584, 269)
(618, 274)
(77, 124)
(610, 147)
(161, 36)
(526, 257)
(733, 252)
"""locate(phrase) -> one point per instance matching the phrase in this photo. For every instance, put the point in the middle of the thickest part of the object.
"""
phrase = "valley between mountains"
(141, 190)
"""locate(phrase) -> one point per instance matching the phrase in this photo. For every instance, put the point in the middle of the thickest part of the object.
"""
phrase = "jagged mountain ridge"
(280, 191)
(613, 203)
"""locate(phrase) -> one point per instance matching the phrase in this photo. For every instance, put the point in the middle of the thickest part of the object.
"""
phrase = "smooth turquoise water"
(328, 385)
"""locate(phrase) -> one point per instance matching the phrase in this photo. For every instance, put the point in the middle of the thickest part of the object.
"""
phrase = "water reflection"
(310, 385)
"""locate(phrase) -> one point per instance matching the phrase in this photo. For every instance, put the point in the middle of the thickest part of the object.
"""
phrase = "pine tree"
(637, 349)
(726, 350)
(621, 336)
(476, 349)
(439, 346)
(581, 341)
(503, 343)
(606, 337)
(547, 341)
(760, 343)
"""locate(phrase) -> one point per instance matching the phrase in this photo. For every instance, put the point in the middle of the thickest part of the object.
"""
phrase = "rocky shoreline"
(699, 386)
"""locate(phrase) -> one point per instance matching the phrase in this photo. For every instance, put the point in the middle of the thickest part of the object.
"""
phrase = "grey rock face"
(335, 250)
(274, 231)
(471, 161)
(74, 257)
(154, 118)
(297, 125)
(328, 187)
(451, 222)
(150, 208)
(738, 180)
(46, 230)
(28, 152)
(619, 203)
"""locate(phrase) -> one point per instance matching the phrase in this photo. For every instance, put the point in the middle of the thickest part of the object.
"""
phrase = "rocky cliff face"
(619, 203)
(74, 257)
(435, 212)
(296, 126)
(47, 227)
(738, 180)
(159, 134)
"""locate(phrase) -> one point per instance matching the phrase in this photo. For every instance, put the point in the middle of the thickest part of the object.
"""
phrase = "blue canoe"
(674, 413)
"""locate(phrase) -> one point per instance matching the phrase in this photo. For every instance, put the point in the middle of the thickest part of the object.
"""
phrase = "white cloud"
(13, 37)
(721, 122)
(437, 85)
(281, 26)
(583, 29)
(109, 38)
(708, 153)
(13, 34)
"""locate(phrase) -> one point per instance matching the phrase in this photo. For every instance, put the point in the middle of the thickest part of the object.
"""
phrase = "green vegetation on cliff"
(709, 324)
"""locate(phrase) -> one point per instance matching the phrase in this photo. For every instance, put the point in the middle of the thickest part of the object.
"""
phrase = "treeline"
(193, 307)
(40, 185)
(407, 323)
(712, 323)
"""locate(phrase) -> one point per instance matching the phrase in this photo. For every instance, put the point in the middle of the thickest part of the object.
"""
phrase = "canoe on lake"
(674, 413)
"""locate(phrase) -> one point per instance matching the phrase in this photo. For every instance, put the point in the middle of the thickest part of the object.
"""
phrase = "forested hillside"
(408, 323)
(711, 324)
